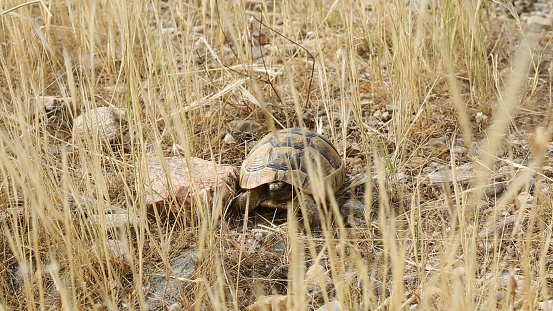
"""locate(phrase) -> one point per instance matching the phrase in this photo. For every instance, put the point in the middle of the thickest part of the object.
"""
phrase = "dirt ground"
(441, 114)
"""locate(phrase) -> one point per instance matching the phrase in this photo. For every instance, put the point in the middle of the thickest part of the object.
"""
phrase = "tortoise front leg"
(312, 213)
(250, 199)
(270, 203)
(310, 206)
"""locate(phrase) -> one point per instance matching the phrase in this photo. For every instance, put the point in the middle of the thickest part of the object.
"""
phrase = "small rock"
(459, 150)
(379, 288)
(116, 250)
(102, 123)
(354, 212)
(506, 170)
(114, 221)
(402, 178)
(269, 303)
(248, 127)
(311, 275)
(437, 142)
(170, 178)
(115, 89)
(416, 162)
(391, 108)
(500, 295)
(331, 306)
(229, 139)
(171, 31)
(309, 114)
(198, 29)
(510, 279)
(546, 305)
(546, 189)
(540, 22)
(174, 307)
(525, 198)
(500, 153)
(312, 283)
(167, 286)
(481, 117)
(463, 173)
(115, 216)
(495, 189)
(373, 125)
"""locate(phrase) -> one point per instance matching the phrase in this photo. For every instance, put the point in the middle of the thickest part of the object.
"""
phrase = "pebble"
(174, 307)
(249, 127)
(354, 212)
(495, 189)
(116, 250)
(402, 178)
(481, 117)
(546, 305)
(102, 123)
(166, 283)
(459, 150)
(312, 278)
(229, 139)
(269, 303)
(331, 306)
(463, 173)
(115, 221)
(437, 142)
(540, 22)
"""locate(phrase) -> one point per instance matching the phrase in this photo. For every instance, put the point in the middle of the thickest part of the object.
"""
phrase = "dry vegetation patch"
(440, 110)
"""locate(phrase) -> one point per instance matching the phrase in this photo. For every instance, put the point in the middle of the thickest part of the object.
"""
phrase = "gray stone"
(229, 139)
(166, 286)
(463, 174)
(353, 211)
(116, 250)
(248, 127)
(331, 306)
(540, 22)
(103, 123)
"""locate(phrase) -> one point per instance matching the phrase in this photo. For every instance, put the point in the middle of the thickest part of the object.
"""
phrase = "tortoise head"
(280, 191)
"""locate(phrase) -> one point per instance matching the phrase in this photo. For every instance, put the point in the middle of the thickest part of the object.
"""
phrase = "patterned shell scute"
(285, 157)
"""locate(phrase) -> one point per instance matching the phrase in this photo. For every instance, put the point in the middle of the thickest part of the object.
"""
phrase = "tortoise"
(278, 166)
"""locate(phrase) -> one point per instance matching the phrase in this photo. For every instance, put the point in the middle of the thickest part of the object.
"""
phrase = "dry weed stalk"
(185, 69)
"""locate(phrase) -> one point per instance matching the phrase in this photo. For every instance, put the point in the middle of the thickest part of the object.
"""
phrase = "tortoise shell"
(286, 155)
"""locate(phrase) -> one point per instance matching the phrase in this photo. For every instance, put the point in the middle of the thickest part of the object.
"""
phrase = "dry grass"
(184, 70)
